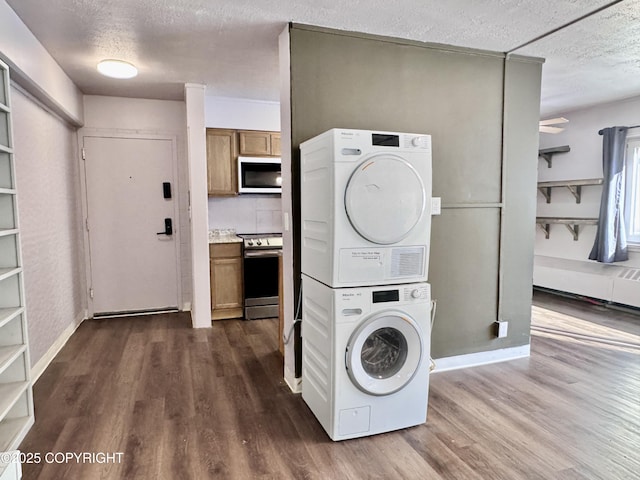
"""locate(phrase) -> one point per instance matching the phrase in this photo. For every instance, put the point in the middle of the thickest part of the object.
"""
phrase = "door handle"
(168, 227)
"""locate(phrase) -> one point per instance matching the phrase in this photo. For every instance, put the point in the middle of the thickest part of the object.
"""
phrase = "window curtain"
(611, 237)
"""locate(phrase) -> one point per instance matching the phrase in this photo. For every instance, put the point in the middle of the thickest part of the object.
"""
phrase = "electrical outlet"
(435, 205)
(501, 329)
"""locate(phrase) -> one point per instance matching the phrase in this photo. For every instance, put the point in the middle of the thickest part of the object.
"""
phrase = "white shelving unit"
(16, 398)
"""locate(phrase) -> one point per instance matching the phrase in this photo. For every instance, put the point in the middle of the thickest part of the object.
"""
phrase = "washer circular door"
(384, 199)
(384, 353)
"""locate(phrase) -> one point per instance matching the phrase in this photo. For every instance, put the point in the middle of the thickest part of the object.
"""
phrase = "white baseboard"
(481, 358)
(186, 307)
(295, 384)
(50, 354)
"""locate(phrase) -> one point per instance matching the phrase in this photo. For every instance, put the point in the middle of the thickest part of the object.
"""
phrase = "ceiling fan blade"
(546, 129)
(554, 121)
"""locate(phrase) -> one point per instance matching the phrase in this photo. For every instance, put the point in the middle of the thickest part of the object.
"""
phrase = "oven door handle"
(262, 253)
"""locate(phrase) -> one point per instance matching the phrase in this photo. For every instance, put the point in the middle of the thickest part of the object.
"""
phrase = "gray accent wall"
(481, 109)
(520, 176)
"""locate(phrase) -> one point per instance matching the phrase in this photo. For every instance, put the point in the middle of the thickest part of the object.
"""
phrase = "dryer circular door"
(384, 353)
(385, 199)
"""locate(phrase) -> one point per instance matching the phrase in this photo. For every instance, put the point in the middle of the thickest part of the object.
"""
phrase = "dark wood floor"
(199, 404)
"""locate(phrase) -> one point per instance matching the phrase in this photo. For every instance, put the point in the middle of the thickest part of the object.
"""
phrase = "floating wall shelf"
(574, 186)
(572, 224)
(547, 153)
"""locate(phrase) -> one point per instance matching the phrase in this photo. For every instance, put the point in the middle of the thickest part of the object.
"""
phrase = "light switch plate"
(435, 205)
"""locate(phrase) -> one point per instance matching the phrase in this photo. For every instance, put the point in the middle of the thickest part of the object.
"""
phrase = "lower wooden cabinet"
(225, 270)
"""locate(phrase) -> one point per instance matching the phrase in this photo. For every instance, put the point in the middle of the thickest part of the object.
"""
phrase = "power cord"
(287, 338)
(434, 304)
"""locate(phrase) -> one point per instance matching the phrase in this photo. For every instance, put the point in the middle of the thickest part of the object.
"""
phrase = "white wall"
(241, 114)
(562, 263)
(116, 114)
(35, 70)
(245, 213)
(47, 178)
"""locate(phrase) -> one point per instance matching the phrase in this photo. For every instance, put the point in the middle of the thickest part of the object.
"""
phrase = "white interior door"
(133, 267)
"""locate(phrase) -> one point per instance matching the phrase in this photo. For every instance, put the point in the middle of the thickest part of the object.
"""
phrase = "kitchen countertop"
(225, 239)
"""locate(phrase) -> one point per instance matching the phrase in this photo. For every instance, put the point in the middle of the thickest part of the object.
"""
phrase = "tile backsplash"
(246, 213)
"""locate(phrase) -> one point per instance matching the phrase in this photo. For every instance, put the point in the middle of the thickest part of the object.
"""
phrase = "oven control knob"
(415, 293)
(259, 242)
(249, 242)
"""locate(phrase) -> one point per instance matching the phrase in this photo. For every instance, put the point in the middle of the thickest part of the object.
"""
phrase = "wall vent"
(630, 274)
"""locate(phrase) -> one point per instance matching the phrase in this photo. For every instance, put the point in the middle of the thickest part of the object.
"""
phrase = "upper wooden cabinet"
(223, 148)
(275, 144)
(259, 143)
(222, 167)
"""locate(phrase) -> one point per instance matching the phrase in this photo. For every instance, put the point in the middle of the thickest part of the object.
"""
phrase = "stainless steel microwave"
(259, 175)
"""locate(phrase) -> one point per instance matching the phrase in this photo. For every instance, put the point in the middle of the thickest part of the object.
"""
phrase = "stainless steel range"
(261, 252)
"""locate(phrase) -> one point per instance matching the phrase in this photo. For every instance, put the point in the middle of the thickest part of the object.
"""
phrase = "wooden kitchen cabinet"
(225, 270)
(259, 143)
(222, 166)
(275, 144)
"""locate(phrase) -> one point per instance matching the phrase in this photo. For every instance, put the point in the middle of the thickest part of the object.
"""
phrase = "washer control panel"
(403, 293)
(352, 303)
(420, 291)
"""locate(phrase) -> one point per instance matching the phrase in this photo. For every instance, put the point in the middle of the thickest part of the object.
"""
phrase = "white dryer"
(365, 357)
(365, 207)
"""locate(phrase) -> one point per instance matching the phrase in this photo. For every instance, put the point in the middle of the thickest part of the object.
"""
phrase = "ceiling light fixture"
(117, 69)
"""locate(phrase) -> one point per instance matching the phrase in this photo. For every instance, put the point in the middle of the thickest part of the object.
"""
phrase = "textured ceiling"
(232, 45)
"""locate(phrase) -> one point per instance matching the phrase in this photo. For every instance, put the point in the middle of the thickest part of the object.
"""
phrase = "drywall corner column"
(287, 233)
(520, 148)
(198, 205)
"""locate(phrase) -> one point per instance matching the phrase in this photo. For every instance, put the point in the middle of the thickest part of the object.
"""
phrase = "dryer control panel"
(385, 140)
(355, 142)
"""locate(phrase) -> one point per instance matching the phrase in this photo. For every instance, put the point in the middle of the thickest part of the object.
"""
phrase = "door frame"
(127, 134)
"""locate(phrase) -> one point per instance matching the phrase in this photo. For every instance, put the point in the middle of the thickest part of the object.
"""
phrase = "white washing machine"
(365, 207)
(365, 356)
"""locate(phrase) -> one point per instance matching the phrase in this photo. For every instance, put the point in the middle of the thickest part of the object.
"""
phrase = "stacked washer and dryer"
(366, 224)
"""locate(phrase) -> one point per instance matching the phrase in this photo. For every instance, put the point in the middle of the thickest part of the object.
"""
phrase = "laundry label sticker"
(407, 262)
(358, 265)
(366, 256)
